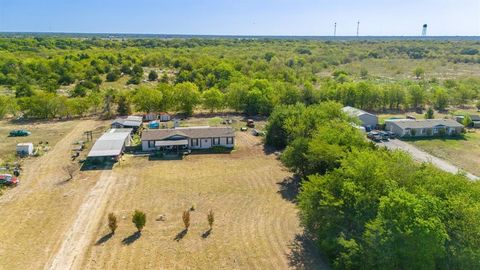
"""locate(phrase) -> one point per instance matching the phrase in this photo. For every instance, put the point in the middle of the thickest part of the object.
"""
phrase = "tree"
(112, 222)
(139, 218)
(23, 90)
(419, 72)
(429, 114)
(152, 76)
(147, 99)
(405, 220)
(416, 95)
(186, 219)
(210, 219)
(213, 99)
(467, 121)
(113, 75)
(441, 98)
(123, 105)
(187, 96)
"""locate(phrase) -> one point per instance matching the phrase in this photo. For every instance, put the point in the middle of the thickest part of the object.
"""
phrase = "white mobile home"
(182, 138)
(25, 149)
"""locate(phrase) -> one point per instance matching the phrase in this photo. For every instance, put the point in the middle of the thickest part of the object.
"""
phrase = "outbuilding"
(132, 122)
(25, 149)
(368, 120)
(110, 146)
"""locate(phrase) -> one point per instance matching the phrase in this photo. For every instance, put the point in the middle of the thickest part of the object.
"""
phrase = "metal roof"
(427, 123)
(110, 143)
(354, 111)
(192, 132)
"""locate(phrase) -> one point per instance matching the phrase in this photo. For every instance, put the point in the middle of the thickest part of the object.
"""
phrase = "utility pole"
(358, 28)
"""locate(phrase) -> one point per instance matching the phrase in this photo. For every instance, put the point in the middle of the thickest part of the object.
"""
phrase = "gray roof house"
(181, 138)
(475, 120)
(424, 128)
(368, 120)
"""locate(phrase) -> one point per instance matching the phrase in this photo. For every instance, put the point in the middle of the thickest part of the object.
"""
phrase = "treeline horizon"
(58, 77)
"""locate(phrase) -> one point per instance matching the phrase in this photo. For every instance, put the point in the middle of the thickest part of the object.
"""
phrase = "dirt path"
(423, 156)
(80, 233)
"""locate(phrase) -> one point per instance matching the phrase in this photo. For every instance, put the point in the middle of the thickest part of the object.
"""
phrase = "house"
(368, 120)
(110, 145)
(475, 120)
(132, 122)
(424, 128)
(24, 149)
(183, 138)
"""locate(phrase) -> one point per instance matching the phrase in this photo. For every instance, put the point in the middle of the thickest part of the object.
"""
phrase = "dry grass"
(255, 227)
(51, 132)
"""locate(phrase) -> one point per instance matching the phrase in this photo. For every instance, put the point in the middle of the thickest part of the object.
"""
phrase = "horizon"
(244, 18)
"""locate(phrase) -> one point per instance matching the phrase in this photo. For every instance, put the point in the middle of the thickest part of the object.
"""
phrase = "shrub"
(186, 219)
(210, 218)
(139, 218)
(112, 222)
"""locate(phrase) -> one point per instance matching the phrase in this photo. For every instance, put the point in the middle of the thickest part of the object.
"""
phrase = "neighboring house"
(183, 138)
(368, 120)
(133, 122)
(475, 120)
(111, 145)
(424, 128)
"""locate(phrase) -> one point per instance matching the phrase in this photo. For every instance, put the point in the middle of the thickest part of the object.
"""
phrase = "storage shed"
(25, 149)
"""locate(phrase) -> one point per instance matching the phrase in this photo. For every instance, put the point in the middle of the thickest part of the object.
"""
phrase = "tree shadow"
(289, 188)
(305, 255)
(132, 238)
(104, 239)
(180, 235)
(206, 234)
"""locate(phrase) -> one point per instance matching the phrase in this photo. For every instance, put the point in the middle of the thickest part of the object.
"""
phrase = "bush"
(186, 219)
(112, 222)
(139, 218)
(210, 218)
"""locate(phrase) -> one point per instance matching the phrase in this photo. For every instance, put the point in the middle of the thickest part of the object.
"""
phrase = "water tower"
(424, 30)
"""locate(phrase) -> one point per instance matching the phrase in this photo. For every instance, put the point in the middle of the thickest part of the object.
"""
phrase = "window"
(194, 142)
(216, 141)
(151, 144)
(229, 140)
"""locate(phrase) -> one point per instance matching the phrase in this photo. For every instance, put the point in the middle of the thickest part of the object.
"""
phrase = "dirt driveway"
(423, 156)
(37, 213)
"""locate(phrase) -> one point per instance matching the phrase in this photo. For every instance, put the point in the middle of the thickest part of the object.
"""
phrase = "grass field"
(462, 152)
(51, 132)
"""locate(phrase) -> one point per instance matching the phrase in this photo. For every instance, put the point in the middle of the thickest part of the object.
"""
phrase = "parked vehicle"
(374, 136)
(384, 135)
(19, 133)
(250, 123)
(243, 129)
(391, 134)
(8, 180)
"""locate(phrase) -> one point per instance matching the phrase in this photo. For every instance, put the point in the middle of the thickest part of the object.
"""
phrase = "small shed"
(25, 149)
(164, 117)
(154, 125)
(150, 116)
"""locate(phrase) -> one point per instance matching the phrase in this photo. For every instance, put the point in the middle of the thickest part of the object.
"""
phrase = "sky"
(244, 17)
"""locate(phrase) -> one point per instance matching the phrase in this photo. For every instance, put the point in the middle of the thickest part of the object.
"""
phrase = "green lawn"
(462, 152)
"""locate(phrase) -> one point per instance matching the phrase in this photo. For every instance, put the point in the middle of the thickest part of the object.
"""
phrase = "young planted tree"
(210, 218)
(429, 114)
(112, 222)
(152, 76)
(186, 219)
(139, 218)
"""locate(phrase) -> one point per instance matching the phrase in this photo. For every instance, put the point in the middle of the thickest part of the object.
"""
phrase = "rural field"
(51, 223)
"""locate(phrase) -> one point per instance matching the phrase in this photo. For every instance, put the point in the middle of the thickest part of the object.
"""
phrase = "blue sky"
(243, 17)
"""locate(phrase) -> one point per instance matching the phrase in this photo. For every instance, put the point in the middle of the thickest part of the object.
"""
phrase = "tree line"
(370, 208)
